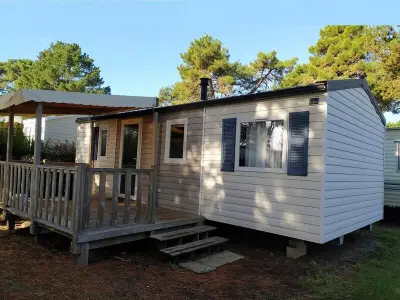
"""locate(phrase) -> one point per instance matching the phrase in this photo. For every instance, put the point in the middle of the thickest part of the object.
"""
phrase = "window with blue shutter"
(95, 142)
(298, 143)
(228, 145)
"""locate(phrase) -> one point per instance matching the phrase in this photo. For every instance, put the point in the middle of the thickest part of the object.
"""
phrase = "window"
(261, 144)
(103, 142)
(175, 145)
(397, 155)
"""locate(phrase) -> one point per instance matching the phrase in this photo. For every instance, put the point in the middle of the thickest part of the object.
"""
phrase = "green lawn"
(375, 276)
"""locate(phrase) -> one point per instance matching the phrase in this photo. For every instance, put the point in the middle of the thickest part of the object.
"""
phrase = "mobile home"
(392, 167)
(304, 162)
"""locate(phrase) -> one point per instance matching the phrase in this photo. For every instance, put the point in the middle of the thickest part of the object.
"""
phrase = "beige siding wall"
(267, 201)
(146, 150)
(179, 184)
(83, 140)
(353, 195)
(392, 175)
(109, 160)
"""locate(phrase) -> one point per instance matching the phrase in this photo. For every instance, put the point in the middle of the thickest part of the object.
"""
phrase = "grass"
(376, 276)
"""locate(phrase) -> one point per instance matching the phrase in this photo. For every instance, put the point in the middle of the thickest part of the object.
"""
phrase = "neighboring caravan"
(392, 167)
(304, 162)
(54, 128)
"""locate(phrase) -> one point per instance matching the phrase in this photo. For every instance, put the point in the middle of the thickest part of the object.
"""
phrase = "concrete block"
(296, 249)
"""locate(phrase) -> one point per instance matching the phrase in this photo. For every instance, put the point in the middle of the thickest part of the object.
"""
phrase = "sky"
(136, 43)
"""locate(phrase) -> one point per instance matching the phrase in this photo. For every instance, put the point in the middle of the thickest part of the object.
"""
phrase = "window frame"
(101, 129)
(169, 123)
(270, 118)
(397, 155)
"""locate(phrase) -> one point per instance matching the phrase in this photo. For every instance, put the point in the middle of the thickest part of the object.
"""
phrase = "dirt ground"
(47, 271)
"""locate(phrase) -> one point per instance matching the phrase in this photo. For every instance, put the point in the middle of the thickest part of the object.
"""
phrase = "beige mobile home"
(305, 162)
(392, 167)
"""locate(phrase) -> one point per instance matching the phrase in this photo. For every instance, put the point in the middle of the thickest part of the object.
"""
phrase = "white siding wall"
(55, 128)
(29, 127)
(353, 195)
(83, 140)
(392, 175)
(61, 128)
(267, 201)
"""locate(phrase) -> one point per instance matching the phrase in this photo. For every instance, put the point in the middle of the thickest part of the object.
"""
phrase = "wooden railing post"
(78, 201)
(153, 193)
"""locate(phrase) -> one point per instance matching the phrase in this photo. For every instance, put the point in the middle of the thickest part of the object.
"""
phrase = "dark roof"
(318, 87)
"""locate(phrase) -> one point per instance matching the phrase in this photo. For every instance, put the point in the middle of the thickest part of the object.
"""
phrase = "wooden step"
(176, 234)
(193, 246)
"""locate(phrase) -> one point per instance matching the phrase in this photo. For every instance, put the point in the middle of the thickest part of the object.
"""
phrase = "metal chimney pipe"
(204, 87)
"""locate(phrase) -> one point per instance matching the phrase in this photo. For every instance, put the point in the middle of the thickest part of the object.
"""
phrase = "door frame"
(138, 121)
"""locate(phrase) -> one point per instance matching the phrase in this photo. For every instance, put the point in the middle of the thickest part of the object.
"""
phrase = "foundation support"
(296, 249)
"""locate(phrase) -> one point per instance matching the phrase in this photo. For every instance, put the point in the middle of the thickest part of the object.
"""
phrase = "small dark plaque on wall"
(314, 101)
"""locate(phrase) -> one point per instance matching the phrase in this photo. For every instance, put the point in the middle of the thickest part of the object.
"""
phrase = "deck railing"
(64, 197)
(104, 197)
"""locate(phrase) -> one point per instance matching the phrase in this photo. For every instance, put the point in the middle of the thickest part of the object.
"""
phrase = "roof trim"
(300, 90)
(334, 85)
(322, 86)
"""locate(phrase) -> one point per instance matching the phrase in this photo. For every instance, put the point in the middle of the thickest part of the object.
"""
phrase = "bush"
(58, 151)
(23, 147)
(22, 144)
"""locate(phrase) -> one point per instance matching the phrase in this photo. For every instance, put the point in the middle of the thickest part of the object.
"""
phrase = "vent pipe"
(204, 87)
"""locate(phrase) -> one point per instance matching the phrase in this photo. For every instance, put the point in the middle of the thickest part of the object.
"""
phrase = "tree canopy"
(61, 67)
(371, 52)
(207, 57)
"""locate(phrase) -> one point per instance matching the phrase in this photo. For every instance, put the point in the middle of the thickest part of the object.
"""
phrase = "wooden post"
(10, 137)
(36, 162)
(156, 144)
(77, 206)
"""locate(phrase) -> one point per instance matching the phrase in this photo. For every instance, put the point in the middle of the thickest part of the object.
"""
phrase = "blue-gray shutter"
(298, 143)
(95, 142)
(228, 145)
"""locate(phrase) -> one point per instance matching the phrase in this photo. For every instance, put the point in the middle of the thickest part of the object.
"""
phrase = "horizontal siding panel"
(226, 195)
(238, 182)
(259, 212)
(349, 214)
(344, 162)
(351, 192)
(340, 209)
(354, 163)
(297, 234)
(262, 219)
(359, 218)
(244, 176)
(268, 205)
(352, 227)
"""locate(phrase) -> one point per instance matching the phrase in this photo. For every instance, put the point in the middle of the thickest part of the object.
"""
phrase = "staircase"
(179, 242)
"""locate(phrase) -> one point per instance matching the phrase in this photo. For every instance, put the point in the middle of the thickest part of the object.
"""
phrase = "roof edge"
(343, 84)
(318, 87)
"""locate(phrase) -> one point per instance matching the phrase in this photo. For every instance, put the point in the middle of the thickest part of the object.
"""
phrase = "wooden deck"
(61, 199)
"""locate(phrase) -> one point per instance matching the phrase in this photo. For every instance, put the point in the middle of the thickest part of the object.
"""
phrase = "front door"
(130, 154)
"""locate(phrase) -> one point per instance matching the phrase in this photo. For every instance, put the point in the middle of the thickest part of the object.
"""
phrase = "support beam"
(10, 134)
(36, 162)
(341, 240)
(370, 227)
(156, 145)
(38, 134)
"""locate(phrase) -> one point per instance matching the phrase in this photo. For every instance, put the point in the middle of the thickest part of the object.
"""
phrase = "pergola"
(40, 103)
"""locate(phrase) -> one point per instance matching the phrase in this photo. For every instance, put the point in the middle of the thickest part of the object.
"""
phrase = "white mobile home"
(304, 162)
(55, 128)
(392, 167)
